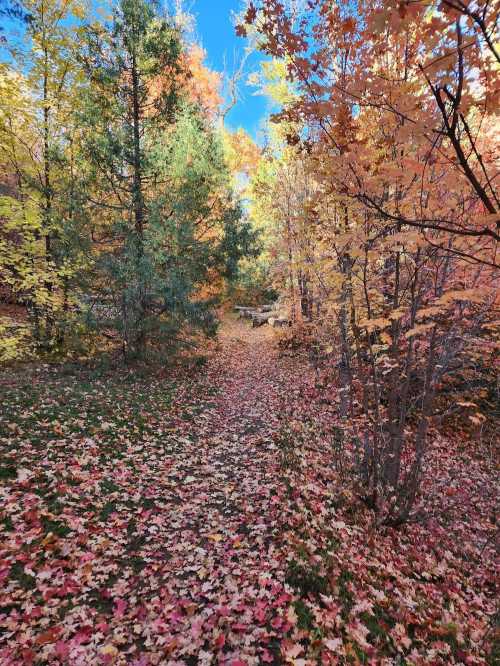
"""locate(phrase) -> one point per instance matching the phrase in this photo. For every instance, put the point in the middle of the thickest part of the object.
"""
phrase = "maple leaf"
(120, 607)
(49, 636)
(62, 649)
(251, 13)
(334, 644)
(292, 650)
(215, 537)
(109, 651)
(23, 474)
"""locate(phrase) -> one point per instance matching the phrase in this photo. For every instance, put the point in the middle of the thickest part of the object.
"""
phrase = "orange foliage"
(203, 85)
(242, 152)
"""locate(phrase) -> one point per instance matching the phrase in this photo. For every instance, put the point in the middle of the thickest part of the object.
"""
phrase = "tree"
(400, 205)
(161, 182)
(37, 145)
(444, 98)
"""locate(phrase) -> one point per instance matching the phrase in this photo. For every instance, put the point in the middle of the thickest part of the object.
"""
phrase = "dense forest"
(249, 384)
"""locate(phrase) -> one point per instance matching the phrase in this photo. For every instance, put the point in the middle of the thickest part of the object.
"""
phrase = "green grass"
(306, 579)
(49, 406)
(26, 581)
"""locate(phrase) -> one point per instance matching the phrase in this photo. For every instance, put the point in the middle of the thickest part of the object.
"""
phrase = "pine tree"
(161, 184)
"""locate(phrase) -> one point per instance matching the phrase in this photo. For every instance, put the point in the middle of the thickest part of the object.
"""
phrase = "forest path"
(151, 510)
(228, 568)
(252, 378)
(148, 520)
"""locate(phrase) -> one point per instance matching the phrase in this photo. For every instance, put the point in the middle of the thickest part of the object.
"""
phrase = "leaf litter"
(155, 522)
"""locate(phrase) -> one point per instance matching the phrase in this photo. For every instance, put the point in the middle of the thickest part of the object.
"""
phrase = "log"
(260, 318)
(278, 322)
(244, 312)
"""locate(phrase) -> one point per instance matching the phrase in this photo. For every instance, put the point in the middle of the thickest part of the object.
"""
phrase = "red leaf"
(251, 14)
(120, 607)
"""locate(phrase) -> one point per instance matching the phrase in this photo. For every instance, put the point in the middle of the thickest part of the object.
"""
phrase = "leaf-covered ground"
(202, 521)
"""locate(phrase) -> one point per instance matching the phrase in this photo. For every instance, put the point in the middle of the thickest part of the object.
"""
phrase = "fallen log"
(260, 318)
(278, 322)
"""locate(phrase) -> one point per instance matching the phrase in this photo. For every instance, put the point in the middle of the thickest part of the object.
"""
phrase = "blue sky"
(215, 30)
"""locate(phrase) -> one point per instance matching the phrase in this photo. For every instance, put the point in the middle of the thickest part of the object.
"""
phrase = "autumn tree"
(341, 61)
(37, 144)
(392, 116)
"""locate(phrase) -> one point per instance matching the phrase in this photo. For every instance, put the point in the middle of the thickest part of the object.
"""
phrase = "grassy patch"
(305, 579)
(8, 472)
(305, 619)
(345, 594)
(18, 574)
(59, 528)
(106, 511)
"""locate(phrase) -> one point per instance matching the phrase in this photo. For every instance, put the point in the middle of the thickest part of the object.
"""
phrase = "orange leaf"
(49, 636)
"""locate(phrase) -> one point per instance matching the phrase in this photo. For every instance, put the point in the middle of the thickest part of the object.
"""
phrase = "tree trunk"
(47, 196)
(138, 205)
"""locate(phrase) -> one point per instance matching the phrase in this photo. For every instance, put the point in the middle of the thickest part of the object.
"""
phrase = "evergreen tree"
(163, 189)
(133, 66)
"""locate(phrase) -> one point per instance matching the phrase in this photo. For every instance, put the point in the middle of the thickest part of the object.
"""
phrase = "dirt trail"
(252, 380)
(224, 530)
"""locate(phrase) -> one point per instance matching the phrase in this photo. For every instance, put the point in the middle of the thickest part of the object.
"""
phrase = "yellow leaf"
(50, 537)
(386, 338)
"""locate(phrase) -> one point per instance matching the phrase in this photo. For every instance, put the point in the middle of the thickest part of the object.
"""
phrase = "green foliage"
(253, 283)
(174, 228)
(14, 341)
(124, 222)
